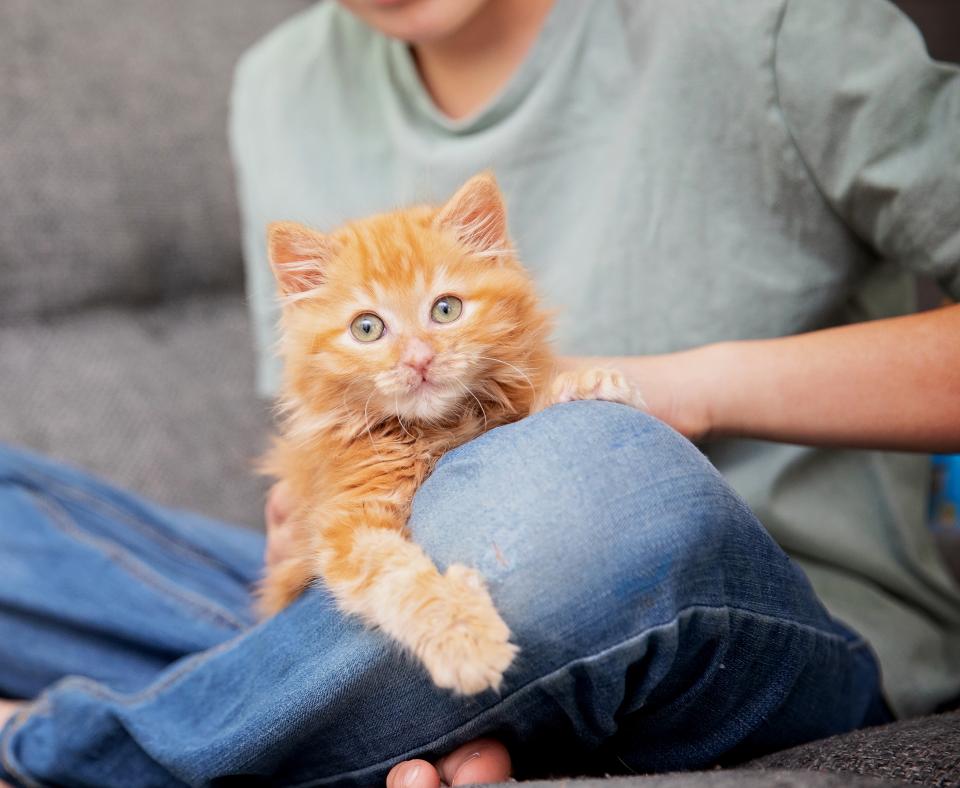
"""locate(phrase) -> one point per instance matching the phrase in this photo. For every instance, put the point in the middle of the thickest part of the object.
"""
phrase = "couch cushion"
(115, 179)
(924, 750)
(719, 779)
(160, 401)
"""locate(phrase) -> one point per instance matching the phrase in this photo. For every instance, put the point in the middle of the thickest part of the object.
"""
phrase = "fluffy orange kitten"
(405, 335)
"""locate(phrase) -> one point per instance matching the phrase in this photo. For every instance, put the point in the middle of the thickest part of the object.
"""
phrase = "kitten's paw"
(467, 646)
(595, 383)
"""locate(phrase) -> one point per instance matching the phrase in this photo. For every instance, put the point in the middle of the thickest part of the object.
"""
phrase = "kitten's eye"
(446, 309)
(367, 327)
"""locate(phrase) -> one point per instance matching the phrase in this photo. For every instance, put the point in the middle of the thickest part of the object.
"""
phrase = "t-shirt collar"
(411, 90)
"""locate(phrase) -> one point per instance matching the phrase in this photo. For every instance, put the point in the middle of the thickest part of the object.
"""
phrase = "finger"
(8, 708)
(269, 513)
(413, 774)
(279, 505)
(280, 545)
(478, 761)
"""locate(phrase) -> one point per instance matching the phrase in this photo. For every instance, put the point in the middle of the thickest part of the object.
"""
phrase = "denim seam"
(100, 692)
(7, 757)
(149, 529)
(141, 524)
(97, 691)
(851, 645)
(123, 558)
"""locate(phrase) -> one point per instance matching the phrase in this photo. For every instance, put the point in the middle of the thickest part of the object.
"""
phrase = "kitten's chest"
(397, 468)
(411, 462)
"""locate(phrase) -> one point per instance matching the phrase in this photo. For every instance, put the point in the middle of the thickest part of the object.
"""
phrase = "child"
(680, 176)
(711, 192)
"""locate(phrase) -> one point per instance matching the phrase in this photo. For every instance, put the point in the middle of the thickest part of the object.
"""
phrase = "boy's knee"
(578, 499)
(593, 523)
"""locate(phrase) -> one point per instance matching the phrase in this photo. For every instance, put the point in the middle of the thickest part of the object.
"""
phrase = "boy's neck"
(466, 70)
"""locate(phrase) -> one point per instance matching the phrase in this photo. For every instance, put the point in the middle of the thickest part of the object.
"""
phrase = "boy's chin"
(415, 21)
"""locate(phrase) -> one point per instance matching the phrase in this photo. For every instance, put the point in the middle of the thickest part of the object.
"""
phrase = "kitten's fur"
(364, 422)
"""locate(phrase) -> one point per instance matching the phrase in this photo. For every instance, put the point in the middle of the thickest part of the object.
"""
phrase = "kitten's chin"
(429, 404)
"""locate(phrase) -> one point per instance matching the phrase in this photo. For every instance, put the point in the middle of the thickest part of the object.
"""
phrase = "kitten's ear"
(478, 217)
(298, 256)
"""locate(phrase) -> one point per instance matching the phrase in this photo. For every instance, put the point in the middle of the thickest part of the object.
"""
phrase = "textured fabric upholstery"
(160, 401)
(721, 779)
(923, 751)
(123, 332)
(115, 177)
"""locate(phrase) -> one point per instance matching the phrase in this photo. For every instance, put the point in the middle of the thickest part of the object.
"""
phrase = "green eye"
(446, 309)
(367, 327)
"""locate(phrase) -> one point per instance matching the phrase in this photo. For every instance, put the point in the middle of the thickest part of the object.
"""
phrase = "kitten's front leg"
(592, 383)
(448, 621)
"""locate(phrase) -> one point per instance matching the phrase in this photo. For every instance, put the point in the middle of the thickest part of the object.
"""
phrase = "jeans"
(659, 626)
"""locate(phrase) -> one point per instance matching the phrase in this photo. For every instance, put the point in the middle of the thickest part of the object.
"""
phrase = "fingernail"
(409, 776)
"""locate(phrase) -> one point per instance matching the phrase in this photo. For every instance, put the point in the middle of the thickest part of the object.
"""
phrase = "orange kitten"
(404, 335)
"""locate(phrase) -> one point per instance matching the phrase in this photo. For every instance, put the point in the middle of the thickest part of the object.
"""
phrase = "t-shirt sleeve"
(877, 123)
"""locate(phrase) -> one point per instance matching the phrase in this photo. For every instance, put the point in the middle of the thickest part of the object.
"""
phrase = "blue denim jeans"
(659, 625)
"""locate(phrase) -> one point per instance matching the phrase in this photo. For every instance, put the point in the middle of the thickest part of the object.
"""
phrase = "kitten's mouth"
(424, 384)
(421, 381)
(425, 394)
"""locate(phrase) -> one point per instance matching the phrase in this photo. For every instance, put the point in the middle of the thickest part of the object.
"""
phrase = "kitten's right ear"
(478, 216)
(298, 256)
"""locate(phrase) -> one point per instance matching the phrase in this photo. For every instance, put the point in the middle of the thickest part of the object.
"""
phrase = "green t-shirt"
(677, 173)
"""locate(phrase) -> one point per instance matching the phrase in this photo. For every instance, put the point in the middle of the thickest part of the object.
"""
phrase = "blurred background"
(124, 340)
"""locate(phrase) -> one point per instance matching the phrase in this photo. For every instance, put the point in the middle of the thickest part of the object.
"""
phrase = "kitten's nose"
(418, 355)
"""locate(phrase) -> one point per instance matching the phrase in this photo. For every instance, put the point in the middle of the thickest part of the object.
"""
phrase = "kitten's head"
(413, 314)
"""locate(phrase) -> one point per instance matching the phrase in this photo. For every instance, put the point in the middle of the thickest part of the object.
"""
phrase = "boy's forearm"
(887, 384)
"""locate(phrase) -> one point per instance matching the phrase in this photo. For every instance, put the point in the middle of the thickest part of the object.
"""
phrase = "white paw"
(596, 383)
(465, 646)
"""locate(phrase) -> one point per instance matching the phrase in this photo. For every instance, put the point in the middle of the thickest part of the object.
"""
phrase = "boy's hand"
(7, 709)
(675, 387)
(276, 513)
(479, 761)
(889, 384)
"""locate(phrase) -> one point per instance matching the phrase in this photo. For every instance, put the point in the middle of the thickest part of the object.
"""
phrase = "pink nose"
(418, 356)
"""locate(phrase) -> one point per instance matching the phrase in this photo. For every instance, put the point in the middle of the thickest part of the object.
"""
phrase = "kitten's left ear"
(478, 216)
(298, 256)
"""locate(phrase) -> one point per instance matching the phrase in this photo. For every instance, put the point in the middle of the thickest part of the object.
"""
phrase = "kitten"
(403, 336)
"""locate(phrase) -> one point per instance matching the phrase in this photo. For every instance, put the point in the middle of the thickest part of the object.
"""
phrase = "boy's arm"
(887, 384)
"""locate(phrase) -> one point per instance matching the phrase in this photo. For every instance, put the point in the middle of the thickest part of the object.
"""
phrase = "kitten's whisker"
(366, 424)
(479, 403)
(396, 407)
(519, 371)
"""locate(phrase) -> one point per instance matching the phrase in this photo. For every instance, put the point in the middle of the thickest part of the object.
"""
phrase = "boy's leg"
(659, 627)
(99, 583)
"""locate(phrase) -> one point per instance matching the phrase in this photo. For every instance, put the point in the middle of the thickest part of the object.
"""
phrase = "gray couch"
(124, 343)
